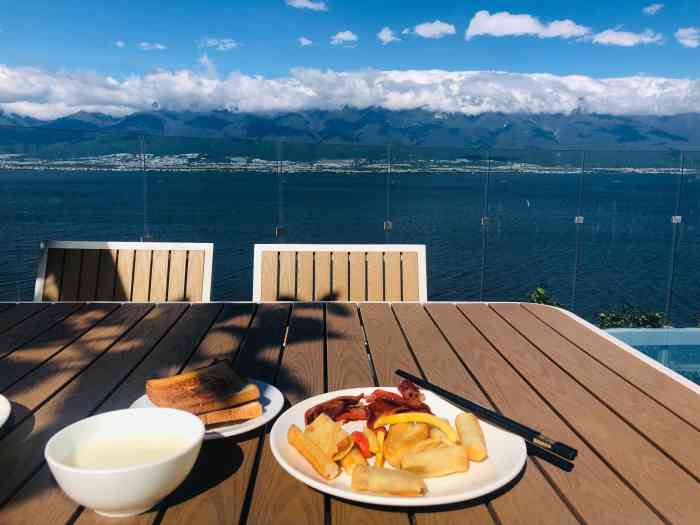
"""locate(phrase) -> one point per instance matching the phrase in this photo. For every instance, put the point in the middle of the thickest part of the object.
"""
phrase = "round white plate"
(272, 401)
(5, 409)
(506, 458)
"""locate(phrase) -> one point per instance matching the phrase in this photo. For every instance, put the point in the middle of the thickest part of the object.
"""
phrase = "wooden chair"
(124, 271)
(339, 272)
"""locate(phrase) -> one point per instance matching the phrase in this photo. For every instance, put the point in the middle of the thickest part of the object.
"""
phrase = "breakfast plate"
(506, 458)
(5, 409)
(272, 402)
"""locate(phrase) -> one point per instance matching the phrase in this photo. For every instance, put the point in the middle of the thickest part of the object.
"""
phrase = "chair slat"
(159, 276)
(195, 276)
(176, 275)
(357, 276)
(392, 276)
(288, 276)
(268, 278)
(341, 289)
(322, 276)
(53, 275)
(125, 275)
(305, 276)
(410, 276)
(88, 275)
(71, 275)
(375, 276)
(142, 276)
(106, 275)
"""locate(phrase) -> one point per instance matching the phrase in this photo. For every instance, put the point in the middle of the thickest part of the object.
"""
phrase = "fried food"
(321, 463)
(471, 436)
(387, 481)
(435, 462)
(351, 460)
(329, 436)
(372, 439)
(229, 415)
(402, 437)
(379, 461)
(418, 417)
(204, 390)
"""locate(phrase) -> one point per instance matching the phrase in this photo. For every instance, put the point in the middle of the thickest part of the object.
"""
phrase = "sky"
(276, 55)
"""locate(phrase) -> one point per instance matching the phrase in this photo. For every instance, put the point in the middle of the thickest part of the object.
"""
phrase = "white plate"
(507, 455)
(272, 401)
(5, 409)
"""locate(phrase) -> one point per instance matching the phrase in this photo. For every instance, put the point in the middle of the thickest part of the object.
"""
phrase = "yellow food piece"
(387, 481)
(429, 444)
(436, 462)
(402, 437)
(330, 436)
(321, 463)
(372, 438)
(471, 436)
(379, 458)
(351, 460)
(419, 417)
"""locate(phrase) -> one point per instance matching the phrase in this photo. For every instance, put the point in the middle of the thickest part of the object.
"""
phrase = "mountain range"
(77, 133)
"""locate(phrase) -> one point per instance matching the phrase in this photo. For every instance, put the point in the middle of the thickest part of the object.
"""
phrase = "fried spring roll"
(351, 460)
(402, 437)
(437, 461)
(471, 436)
(321, 463)
(386, 481)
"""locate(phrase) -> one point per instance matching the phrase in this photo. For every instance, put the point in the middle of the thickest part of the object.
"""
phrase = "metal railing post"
(578, 221)
(280, 229)
(676, 220)
(485, 227)
(388, 225)
(144, 189)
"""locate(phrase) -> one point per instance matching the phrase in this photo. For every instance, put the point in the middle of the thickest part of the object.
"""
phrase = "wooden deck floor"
(637, 429)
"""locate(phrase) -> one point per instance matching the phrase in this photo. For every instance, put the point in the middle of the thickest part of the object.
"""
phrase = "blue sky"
(80, 36)
(119, 57)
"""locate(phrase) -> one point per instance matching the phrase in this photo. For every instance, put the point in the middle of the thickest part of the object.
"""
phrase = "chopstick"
(535, 437)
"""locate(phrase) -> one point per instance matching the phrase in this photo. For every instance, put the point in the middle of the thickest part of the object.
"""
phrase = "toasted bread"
(204, 390)
(229, 415)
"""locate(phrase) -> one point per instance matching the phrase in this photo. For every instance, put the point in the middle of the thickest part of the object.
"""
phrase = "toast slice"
(229, 415)
(204, 390)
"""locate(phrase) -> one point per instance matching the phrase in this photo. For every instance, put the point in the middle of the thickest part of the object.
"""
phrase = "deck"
(637, 428)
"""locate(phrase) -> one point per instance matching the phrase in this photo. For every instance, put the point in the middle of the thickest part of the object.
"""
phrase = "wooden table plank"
(277, 497)
(33, 354)
(348, 367)
(21, 451)
(18, 313)
(662, 388)
(33, 326)
(441, 365)
(592, 488)
(668, 432)
(620, 445)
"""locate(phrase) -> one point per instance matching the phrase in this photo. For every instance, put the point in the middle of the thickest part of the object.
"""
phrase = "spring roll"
(401, 439)
(386, 481)
(351, 460)
(437, 461)
(321, 463)
(471, 436)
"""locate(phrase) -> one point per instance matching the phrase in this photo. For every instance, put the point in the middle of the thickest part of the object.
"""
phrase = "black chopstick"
(530, 434)
(550, 457)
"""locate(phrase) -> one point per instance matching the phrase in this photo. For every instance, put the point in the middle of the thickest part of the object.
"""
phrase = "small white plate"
(5, 409)
(272, 401)
(506, 458)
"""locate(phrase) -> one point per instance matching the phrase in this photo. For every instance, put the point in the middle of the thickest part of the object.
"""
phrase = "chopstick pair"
(537, 443)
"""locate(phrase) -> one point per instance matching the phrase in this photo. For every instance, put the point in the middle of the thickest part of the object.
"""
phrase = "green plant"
(540, 296)
(631, 317)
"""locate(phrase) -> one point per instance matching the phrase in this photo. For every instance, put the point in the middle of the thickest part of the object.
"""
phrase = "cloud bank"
(615, 37)
(42, 94)
(507, 24)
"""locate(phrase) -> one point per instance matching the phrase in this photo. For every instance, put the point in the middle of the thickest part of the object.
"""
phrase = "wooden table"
(636, 428)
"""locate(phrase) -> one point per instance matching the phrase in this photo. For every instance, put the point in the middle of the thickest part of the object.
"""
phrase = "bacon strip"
(332, 408)
(410, 392)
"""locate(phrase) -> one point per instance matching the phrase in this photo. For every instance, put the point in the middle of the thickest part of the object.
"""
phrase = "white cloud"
(303, 41)
(652, 9)
(152, 46)
(344, 38)
(42, 94)
(506, 24)
(387, 36)
(615, 37)
(220, 44)
(688, 36)
(435, 29)
(308, 4)
(119, 43)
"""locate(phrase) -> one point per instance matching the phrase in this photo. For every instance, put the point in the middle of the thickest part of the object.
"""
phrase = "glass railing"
(599, 230)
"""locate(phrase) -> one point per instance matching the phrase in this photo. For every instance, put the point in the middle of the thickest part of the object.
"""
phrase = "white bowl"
(105, 483)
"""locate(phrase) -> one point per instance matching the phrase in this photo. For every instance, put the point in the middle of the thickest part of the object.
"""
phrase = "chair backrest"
(339, 272)
(124, 271)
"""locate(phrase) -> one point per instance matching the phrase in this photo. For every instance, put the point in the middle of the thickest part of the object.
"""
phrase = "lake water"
(624, 252)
